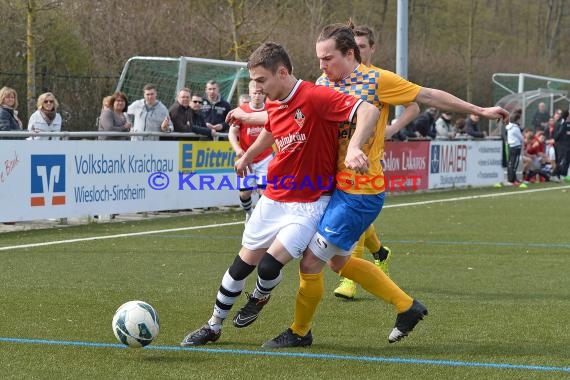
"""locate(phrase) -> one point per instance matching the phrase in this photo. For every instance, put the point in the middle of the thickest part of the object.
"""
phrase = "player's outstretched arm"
(445, 101)
(255, 118)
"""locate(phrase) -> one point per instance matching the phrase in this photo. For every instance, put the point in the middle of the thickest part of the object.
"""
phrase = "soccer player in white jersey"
(242, 136)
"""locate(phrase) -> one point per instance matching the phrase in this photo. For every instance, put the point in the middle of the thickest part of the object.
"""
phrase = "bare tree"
(552, 28)
(470, 54)
(33, 7)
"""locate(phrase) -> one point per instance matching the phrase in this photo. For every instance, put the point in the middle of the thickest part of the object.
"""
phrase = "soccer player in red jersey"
(303, 122)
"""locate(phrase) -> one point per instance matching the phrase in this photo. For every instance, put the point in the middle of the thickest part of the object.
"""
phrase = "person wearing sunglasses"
(46, 118)
(199, 126)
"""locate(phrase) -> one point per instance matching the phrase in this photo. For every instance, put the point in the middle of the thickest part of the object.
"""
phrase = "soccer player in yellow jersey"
(359, 197)
(364, 37)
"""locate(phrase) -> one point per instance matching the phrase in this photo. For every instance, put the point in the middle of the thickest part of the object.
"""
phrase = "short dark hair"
(270, 55)
(343, 35)
(149, 86)
(515, 117)
(365, 31)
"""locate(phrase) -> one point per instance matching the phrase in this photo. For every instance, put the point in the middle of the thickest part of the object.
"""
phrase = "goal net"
(169, 75)
(525, 92)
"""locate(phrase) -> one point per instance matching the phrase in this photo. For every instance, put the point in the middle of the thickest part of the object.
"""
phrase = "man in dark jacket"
(562, 138)
(214, 108)
(186, 117)
(424, 124)
(473, 129)
(199, 125)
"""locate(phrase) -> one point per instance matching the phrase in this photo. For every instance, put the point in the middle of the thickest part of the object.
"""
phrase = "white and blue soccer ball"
(136, 324)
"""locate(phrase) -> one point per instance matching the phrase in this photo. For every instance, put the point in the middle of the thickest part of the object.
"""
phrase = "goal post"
(169, 75)
(526, 91)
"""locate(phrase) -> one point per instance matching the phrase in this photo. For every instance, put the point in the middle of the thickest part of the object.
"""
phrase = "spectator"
(562, 138)
(199, 126)
(473, 130)
(551, 146)
(424, 125)
(558, 119)
(241, 137)
(114, 117)
(46, 118)
(443, 127)
(214, 108)
(540, 118)
(515, 141)
(536, 151)
(107, 102)
(460, 129)
(9, 120)
(528, 135)
(149, 114)
(181, 114)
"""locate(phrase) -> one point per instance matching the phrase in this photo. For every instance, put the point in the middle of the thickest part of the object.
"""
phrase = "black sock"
(381, 254)
(246, 203)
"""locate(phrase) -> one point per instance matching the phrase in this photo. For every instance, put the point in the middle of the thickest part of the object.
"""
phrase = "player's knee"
(310, 263)
(239, 269)
(269, 268)
(245, 195)
(337, 262)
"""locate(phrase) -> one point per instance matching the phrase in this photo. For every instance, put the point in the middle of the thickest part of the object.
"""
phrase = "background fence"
(79, 97)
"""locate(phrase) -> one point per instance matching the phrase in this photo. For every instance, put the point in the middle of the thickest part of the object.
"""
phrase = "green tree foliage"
(91, 40)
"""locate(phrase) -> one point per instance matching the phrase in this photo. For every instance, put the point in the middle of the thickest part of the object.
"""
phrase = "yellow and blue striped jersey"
(381, 88)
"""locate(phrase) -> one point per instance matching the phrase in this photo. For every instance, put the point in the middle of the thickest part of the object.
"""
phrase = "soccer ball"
(135, 324)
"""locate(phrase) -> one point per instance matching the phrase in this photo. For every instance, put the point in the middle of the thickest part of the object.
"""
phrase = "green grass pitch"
(490, 264)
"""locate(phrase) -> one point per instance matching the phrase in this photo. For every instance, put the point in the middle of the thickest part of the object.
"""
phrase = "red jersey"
(535, 146)
(248, 133)
(305, 127)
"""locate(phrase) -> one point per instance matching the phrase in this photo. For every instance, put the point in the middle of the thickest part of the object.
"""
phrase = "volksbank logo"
(435, 158)
(48, 179)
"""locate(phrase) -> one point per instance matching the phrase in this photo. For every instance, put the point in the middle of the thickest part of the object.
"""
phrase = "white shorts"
(258, 177)
(550, 153)
(326, 250)
(292, 223)
(536, 163)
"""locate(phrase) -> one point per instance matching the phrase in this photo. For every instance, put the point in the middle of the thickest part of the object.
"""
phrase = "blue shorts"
(347, 216)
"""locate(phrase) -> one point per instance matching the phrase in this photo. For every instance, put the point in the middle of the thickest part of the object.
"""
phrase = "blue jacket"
(215, 113)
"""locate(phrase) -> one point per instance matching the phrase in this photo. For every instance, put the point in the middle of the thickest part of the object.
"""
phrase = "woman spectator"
(443, 126)
(460, 130)
(46, 118)
(114, 118)
(8, 115)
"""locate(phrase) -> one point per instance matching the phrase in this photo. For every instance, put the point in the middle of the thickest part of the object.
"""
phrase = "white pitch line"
(131, 234)
(420, 203)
